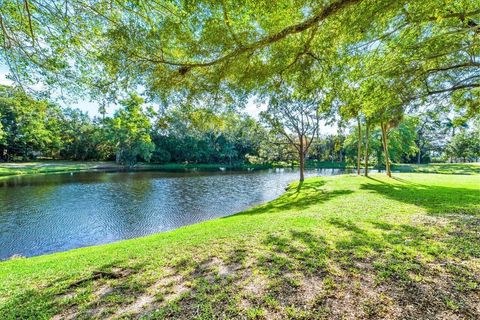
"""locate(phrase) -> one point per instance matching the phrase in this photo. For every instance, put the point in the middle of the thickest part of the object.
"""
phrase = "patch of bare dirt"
(68, 314)
(169, 287)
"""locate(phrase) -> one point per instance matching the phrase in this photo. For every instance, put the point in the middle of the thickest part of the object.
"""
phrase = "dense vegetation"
(39, 129)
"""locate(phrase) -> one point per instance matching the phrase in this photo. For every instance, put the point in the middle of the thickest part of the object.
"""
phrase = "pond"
(42, 214)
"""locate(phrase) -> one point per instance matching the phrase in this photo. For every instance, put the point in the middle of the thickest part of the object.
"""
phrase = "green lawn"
(336, 247)
(51, 166)
(18, 168)
(445, 168)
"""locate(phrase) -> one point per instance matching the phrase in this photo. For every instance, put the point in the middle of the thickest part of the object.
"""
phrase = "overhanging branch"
(282, 34)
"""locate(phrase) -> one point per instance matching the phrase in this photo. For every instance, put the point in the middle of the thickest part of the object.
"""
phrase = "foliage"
(203, 48)
(36, 128)
(401, 143)
(28, 125)
(130, 131)
(200, 135)
(465, 145)
(371, 59)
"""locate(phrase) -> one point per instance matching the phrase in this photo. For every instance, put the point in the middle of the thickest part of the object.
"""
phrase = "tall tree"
(294, 115)
(27, 124)
(130, 130)
(350, 105)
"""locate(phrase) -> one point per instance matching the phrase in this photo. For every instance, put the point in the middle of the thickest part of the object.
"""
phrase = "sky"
(91, 107)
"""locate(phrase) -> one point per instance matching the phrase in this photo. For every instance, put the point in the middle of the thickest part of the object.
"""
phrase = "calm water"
(48, 213)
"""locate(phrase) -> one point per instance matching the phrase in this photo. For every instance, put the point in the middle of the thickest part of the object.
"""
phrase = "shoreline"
(12, 169)
(286, 187)
(331, 230)
(15, 169)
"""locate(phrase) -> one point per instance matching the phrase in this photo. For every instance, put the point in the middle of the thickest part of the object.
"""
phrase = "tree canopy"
(177, 48)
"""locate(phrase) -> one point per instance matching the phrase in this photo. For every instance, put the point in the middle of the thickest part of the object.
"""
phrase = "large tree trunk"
(385, 148)
(359, 145)
(366, 148)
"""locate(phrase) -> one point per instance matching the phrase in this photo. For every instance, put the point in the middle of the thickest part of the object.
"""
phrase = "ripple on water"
(49, 213)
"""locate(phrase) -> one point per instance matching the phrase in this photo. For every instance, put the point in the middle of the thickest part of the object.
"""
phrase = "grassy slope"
(342, 246)
(445, 168)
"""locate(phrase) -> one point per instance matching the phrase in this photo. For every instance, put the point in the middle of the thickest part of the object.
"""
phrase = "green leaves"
(27, 125)
(370, 57)
(130, 130)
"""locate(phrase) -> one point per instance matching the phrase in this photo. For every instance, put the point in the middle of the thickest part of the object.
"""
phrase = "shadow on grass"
(444, 168)
(62, 295)
(379, 260)
(299, 197)
(435, 199)
(301, 269)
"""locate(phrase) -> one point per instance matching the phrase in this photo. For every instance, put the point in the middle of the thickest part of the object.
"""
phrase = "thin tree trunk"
(453, 135)
(318, 139)
(118, 157)
(366, 148)
(302, 167)
(419, 156)
(359, 145)
(385, 148)
(302, 160)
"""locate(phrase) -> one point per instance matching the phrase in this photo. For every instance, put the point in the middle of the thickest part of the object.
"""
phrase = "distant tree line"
(36, 128)
(32, 128)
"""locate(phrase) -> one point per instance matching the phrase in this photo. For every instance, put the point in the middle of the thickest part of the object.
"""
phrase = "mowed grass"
(34, 167)
(444, 168)
(333, 247)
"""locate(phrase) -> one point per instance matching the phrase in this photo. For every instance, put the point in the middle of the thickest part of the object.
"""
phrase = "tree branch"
(454, 88)
(29, 15)
(282, 34)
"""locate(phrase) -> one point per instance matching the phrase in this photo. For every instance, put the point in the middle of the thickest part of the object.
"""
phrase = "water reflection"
(49, 213)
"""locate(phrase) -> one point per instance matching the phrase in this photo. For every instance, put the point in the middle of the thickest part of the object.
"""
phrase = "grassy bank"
(443, 168)
(18, 168)
(335, 247)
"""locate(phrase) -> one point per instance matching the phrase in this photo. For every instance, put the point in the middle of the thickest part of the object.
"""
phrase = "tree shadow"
(63, 294)
(435, 199)
(299, 197)
(395, 257)
(444, 168)
(382, 262)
